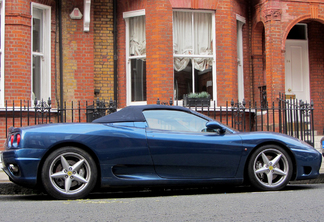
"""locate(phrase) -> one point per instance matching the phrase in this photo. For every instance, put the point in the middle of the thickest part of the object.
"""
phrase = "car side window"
(174, 120)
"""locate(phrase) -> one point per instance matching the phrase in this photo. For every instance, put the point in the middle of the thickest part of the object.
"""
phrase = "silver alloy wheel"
(271, 168)
(69, 173)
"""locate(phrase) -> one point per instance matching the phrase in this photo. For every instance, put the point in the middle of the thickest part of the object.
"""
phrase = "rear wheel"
(69, 173)
(270, 168)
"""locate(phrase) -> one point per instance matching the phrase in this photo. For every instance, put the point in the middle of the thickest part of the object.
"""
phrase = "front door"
(297, 70)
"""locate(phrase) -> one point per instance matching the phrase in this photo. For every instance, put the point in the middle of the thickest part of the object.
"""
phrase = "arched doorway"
(315, 55)
(297, 85)
(297, 64)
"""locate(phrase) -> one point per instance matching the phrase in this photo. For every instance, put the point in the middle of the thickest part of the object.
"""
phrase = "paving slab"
(3, 177)
(9, 188)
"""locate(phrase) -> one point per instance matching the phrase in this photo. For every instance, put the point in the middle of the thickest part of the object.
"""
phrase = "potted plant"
(196, 99)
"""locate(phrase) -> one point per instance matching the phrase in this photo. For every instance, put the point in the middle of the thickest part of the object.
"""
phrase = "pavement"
(9, 188)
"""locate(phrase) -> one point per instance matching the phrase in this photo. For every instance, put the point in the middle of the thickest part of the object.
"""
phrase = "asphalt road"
(295, 203)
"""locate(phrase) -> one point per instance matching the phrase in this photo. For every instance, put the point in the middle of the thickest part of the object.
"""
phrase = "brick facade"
(277, 19)
(264, 34)
(316, 60)
(159, 45)
(88, 57)
(78, 54)
(103, 41)
(17, 67)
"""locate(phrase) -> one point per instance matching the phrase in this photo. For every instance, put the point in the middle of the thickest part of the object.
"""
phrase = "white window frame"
(2, 52)
(126, 16)
(214, 74)
(46, 54)
(240, 21)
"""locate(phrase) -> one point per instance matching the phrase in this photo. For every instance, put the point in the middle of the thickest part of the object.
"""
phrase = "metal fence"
(291, 117)
(288, 116)
(43, 112)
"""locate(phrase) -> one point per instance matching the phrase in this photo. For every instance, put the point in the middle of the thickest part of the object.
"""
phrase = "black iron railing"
(291, 117)
(43, 113)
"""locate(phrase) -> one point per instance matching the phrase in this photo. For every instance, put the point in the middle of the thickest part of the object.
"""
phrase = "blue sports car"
(152, 145)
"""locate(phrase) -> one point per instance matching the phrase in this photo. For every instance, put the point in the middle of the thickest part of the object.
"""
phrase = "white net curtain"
(192, 35)
(137, 36)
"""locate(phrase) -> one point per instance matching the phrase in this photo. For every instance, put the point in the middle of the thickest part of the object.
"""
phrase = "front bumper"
(21, 165)
(308, 164)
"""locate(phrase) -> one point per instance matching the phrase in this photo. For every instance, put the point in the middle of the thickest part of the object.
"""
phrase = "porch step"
(317, 142)
(318, 146)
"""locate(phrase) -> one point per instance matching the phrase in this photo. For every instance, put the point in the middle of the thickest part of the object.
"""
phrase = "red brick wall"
(88, 59)
(258, 61)
(79, 52)
(17, 51)
(194, 4)
(159, 46)
(278, 18)
(78, 67)
(316, 64)
(159, 54)
(226, 52)
(159, 49)
(264, 46)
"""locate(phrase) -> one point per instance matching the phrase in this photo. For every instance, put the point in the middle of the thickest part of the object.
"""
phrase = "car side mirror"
(215, 127)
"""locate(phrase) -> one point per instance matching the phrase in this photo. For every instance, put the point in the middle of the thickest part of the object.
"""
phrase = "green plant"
(198, 95)
(193, 95)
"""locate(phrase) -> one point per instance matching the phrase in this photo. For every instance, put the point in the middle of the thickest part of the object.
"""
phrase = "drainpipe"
(59, 8)
(115, 49)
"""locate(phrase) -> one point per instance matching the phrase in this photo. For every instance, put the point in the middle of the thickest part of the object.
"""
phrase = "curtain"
(182, 38)
(137, 36)
(192, 35)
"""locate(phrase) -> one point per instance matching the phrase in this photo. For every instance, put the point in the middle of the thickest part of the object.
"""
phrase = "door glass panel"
(174, 120)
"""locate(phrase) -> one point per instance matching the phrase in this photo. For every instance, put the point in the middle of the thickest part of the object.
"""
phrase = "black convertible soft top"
(135, 113)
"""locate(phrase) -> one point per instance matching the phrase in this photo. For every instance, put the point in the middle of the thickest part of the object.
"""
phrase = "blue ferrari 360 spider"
(153, 145)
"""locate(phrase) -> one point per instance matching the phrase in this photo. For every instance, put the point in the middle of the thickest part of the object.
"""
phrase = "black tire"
(270, 168)
(69, 173)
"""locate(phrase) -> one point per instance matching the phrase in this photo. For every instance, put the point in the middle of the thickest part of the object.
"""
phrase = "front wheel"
(69, 173)
(270, 168)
